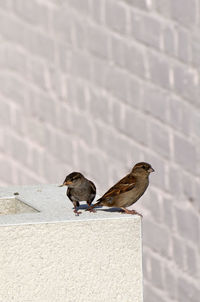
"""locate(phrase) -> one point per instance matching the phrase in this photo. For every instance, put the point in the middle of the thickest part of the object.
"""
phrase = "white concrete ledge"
(49, 255)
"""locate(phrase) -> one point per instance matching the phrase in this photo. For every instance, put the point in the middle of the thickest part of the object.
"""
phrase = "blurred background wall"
(96, 86)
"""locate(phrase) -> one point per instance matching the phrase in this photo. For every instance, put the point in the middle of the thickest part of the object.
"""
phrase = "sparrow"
(128, 190)
(79, 189)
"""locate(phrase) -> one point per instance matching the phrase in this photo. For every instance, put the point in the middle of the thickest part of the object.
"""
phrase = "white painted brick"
(64, 120)
(156, 237)
(116, 16)
(80, 65)
(117, 83)
(195, 51)
(162, 7)
(186, 83)
(168, 213)
(97, 10)
(52, 166)
(6, 170)
(184, 45)
(192, 261)
(13, 87)
(169, 40)
(185, 14)
(15, 60)
(183, 150)
(99, 107)
(135, 126)
(17, 148)
(197, 194)
(175, 111)
(80, 98)
(62, 24)
(99, 71)
(98, 41)
(35, 131)
(160, 140)
(40, 44)
(135, 89)
(117, 114)
(5, 113)
(11, 29)
(146, 265)
(156, 273)
(62, 53)
(187, 186)
(5, 4)
(156, 102)
(134, 60)
(143, 4)
(82, 161)
(155, 207)
(187, 291)
(80, 34)
(188, 224)
(152, 295)
(139, 25)
(80, 6)
(83, 128)
(179, 252)
(98, 168)
(117, 51)
(159, 70)
(170, 282)
(32, 12)
(76, 94)
(38, 73)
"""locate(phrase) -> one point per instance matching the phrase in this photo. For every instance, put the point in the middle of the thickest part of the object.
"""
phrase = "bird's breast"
(80, 194)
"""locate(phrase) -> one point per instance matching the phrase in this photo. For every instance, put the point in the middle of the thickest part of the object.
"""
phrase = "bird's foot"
(77, 213)
(91, 210)
(132, 212)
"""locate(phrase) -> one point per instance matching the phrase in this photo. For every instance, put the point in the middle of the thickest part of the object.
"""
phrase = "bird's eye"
(143, 167)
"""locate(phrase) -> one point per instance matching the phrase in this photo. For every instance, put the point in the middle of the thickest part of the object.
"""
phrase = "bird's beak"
(66, 183)
(151, 170)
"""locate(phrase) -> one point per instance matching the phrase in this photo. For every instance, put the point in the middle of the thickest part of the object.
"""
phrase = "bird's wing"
(69, 193)
(125, 184)
(93, 187)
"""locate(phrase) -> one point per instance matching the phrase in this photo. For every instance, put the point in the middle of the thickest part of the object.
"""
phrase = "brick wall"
(96, 86)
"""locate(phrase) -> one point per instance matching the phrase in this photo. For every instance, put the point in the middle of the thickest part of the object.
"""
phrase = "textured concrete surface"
(96, 86)
(53, 255)
(13, 205)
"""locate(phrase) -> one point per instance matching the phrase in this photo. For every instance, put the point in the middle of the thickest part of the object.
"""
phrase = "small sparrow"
(79, 189)
(128, 190)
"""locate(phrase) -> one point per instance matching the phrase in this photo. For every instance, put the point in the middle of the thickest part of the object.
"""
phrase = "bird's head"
(73, 179)
(142, 168)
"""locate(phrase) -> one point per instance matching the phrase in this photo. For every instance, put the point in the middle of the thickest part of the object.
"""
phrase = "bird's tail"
(98, 203)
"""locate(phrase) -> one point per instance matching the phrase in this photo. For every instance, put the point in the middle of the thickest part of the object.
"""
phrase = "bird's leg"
(75, 209)
(91, 208)
(132, 212)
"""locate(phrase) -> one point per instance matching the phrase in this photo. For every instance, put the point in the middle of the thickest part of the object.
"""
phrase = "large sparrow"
(79, 189)
(128, 190)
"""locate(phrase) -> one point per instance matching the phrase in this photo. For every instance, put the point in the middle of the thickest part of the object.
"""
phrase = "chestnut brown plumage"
(128, 190)
(79, 189)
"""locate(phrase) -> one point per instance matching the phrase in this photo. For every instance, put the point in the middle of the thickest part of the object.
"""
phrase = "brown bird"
(128, 190)
(79, 189)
